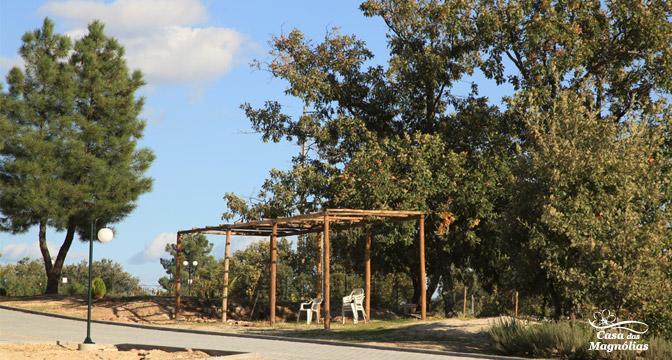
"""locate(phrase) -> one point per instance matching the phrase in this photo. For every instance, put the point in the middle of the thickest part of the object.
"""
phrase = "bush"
(659, 348)
(98, 288)
(75, 289)
(566, 340)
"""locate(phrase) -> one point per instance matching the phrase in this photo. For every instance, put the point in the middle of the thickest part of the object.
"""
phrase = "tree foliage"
(195, 247)
(118, 281)
(25, 278)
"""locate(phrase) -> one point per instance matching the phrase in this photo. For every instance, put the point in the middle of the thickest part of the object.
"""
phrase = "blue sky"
(195, 55)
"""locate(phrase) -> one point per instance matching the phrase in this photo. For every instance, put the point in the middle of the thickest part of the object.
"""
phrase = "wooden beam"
(375, 212)
(318, 283)
(273, 264)
(178, 250)
(327, 266)
(225, 290)
(464, 303)
(423, 278)
(367, 275)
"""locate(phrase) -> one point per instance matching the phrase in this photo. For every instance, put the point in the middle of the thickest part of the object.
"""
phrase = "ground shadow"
(434, 336)
(172, 349)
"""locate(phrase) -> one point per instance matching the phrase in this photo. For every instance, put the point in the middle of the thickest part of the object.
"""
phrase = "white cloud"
(160, 36)
(155, 249)
(184, 54)
(16, 251)
(129, 16)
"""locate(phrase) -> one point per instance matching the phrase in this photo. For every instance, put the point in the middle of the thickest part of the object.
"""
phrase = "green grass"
(395, 332)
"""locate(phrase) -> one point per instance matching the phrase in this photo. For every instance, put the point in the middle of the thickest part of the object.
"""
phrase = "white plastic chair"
(354, 303)
(310, 307)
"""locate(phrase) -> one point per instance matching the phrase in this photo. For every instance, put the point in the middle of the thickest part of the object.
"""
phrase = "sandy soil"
(69, 351)
(146, 309)
(150, 310)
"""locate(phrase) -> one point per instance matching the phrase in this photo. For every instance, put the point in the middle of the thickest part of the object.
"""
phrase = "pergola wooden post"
(318, 282)
(423, 279)
(178, 251)
(225, 289)
(273, 265)
(367, 275)
(327, 266)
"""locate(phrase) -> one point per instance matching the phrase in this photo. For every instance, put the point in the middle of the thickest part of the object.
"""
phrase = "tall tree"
(394, 136)
(70, 156)
(591, 80)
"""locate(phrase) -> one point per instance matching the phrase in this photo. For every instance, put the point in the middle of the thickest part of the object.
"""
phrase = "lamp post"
(104, 235)
(191, 268)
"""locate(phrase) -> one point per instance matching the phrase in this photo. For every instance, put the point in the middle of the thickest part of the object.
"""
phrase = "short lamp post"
(104, 235)
(191, 268)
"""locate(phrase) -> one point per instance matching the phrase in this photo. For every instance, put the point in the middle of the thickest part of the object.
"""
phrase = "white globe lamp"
(105, 235)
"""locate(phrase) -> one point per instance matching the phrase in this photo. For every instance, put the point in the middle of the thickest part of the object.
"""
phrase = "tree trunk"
(416, 288)
(431, 288)
(46, 256)
(54, 270)
(447, 294)
(557, 303)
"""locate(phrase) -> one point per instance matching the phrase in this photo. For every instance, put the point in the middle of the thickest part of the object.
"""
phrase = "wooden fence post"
(225, 289)
(516, 311)
(327, 274)
(319, 281)
(367, 275)
(423, 278)
(178, 250)
(273, 265)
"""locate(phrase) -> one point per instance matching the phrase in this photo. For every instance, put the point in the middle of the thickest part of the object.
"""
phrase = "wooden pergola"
(317, 222)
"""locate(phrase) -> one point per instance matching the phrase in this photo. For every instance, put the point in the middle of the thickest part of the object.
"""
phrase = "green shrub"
(75, 289)
(567, 340)
(98, 288)
(659, 348)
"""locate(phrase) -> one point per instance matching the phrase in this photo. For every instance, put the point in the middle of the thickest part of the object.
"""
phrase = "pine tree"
(70, 153)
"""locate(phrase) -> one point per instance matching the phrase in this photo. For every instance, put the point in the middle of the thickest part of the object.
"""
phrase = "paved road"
(21, 327)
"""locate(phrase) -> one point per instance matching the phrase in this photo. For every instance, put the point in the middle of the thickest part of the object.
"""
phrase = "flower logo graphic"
(604, 320)
(604, 317)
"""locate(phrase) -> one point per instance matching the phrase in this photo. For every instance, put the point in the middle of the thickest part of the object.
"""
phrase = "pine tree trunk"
(46, 257)
(54, 270)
